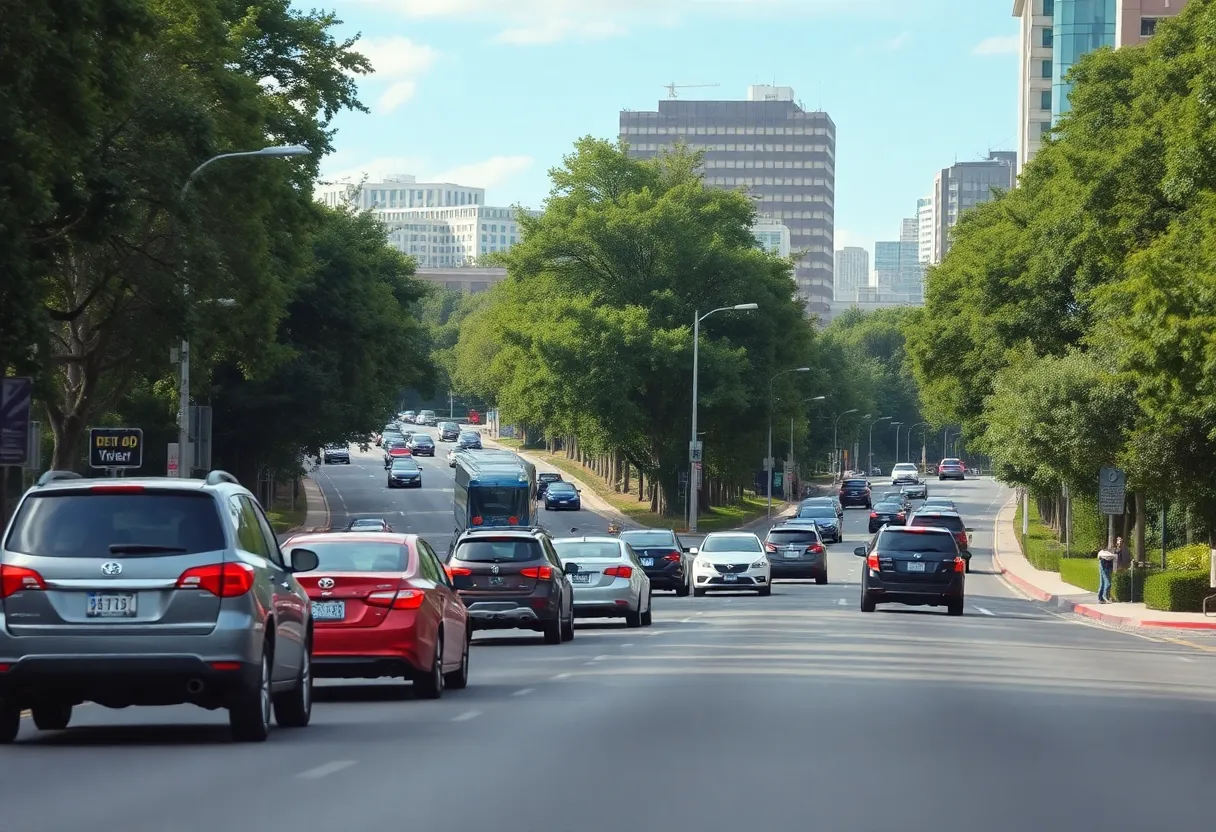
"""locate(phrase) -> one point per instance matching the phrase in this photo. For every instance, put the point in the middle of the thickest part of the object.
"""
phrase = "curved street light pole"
(870, 452)
(908, 449)
(835, 436)
(768, 459)
(693, 457)
(185, 459)
(897, 426)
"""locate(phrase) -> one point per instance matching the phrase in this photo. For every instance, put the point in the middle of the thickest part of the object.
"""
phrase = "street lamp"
(693, 448)
(185, 459)
(908, 451)
(835, 444)
(897, 426)
(791, 456)
(768, 460)
(870, 452)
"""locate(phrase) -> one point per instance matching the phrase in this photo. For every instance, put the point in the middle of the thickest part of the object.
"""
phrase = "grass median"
(283, 514)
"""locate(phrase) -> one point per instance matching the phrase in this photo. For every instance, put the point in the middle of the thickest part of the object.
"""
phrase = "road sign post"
(16, 395)
(118, 448)
(174, 457)
(1112, 494)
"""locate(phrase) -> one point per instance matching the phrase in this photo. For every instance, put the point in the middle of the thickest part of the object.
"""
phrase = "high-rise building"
(783, 155)
(773, 236)
(925, 216)
(852, 271)
(440, 225)
(909, 231)
(1054, 36)
(897, 267)
(965, 185)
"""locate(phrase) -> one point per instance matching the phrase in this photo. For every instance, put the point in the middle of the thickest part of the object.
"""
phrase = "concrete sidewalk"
(316, 516)
(1051, 589)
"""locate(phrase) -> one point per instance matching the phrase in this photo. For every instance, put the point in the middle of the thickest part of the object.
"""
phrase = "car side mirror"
(692, 550)
(860, 551)
(303, 560)
(570, 568)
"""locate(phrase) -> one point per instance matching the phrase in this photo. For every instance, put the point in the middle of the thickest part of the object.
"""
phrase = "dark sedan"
(421, 444)
(449, 431)
(888, 513)
(825, 519)
(915, 566)
(543, 480)
(663, 557)
(405, 473)
(562, 496)
(469, 440)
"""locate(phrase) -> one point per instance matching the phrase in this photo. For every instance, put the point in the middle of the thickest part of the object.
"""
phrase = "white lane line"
(599, 658)
(561, 676)
(466, 716)
(523, 692)
(683, 621)
(1185, 659)
(983, 611)
(627, 644)
(842, 602)
(701, 613)
(325, 770)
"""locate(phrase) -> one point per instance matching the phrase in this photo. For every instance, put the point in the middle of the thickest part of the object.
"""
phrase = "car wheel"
(553, 631)
(683, 589)
(955, 607)
(459, 679)
(10, 723)
(633, 618)
(249, 712)
(647, 617)
(697, 592)
(821, 579)
(293, 709)
(568, 627)
(867, 603)
(967, 565)
(429, 684)
(52, 716)
(765, 591)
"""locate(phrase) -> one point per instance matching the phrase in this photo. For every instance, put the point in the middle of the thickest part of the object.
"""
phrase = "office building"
(773, 236)
(1054, 35)
(852, 271)
(897, 268)
(909, 232)
(781, 154)
(439, 224)
(925, 216)
(468, 279)
(965, 185)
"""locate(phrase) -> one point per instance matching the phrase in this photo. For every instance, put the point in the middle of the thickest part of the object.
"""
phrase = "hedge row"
(1083, 573)
(1177, 591)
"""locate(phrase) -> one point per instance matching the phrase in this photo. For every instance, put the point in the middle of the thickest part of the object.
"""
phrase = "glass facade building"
(1079, 26)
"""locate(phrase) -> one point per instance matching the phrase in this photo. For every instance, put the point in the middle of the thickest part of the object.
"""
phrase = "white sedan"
(607, 577)
(731, 561)
(452, 458)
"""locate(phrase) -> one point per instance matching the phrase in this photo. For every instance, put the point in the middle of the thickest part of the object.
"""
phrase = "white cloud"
(488, 173)
(898, 42)
(998, 45)
(397, 62)
(530, 22)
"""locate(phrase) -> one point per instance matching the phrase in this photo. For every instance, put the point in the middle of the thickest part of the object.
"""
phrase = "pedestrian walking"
(1106, 570)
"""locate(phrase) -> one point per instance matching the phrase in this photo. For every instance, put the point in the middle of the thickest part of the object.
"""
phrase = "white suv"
(731, 561)
(905, 473)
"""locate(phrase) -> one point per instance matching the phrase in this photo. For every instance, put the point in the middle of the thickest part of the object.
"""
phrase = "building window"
(1049, 7)
(1044, 128)
(1045, 100)
(1047, 37)
(1148, 27)
(1046, 69)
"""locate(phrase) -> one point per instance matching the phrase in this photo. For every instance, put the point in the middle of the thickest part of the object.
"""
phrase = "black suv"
(664, 559)
(916, 566)
(449, 431)
(797, 552)
(512, 578)
(855, 493)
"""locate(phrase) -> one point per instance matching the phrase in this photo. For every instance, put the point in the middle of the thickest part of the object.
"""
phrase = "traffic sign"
(1112, 490)
(116, 447)
(695, 450)
(698, 467)
(15, 397)
(174, 458)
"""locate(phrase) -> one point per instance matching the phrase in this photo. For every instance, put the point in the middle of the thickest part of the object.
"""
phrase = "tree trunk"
(1141, 522)
(67, 430)
(625, 489)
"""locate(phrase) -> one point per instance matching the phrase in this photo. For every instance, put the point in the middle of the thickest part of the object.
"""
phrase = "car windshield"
(731, 543)
(826, 512)
(422, 439)
(941, 503)
(357, 555)
(649, 539)
(571, 549)
(397, 446)
(498, 501)
(898, 540)
(367, 523)
(940, 521)
(905, 467)
(498, 550)
(87, 525)
(405, 465)
(549, 477)
(790, 537)
(561, 488)
(335, 447)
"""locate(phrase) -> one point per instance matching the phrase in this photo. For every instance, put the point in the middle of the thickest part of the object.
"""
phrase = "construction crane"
(673, 86)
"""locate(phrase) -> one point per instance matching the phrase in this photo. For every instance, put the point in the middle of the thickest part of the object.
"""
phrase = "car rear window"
(898, 540)
(890, 505)
(827, 512)
(786, 537)
(406, 464)
(423, 439)
(498, 550)
(952, 462)
(649, 540)
(358, 556)
(855, 484)
(87, 525)
(570, 549)
(561, 488)
(941, 521)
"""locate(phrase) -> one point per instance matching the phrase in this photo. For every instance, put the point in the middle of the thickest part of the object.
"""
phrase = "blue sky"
(492, 93)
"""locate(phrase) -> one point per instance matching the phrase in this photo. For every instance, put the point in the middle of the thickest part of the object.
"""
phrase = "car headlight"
(760, 564)
(706, 565)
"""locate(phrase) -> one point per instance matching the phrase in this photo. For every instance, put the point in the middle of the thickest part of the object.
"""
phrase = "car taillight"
(673, 556)
(458, 571)
(872, 561)
(476, 521)
(226, 580)
(816, 549)
(540, 573)
(873, 514)
(772, 547)
(960, 565)
(116, 489)
(512, 521)
(14, 579)
(619, 571)
(402, 599)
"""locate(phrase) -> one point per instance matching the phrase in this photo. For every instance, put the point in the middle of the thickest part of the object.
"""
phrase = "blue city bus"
(494, 488)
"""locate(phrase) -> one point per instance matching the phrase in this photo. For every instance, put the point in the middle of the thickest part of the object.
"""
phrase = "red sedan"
(382, 605)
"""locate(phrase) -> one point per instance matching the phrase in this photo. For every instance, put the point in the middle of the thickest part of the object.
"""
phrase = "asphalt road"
(774, 714)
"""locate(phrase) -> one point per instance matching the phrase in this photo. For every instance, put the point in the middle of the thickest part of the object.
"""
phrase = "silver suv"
(152, 591)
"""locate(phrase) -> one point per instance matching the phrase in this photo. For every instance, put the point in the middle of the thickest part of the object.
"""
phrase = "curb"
(302, 529)
(1088, 610)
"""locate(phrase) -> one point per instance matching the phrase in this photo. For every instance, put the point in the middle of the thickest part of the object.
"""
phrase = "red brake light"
(619, 571)
(512, 521)
(402, 599)
(14, 579)
(873, 513)
(772, 547)
(540, 573)
(4, 668)
(960, 565)
(455, 571)
(116, 489)
(672, 556)
(226, 580)
(476, 521)
(816, 549)
(872, 561)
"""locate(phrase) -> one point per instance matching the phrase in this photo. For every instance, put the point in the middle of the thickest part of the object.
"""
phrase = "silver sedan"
(608, 579)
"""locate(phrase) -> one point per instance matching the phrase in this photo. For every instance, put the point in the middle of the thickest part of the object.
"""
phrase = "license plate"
(497, 582)
(328, 610)
(111, 605)
(916, 567)
(730, 579)
(793, 553)
(580, 578)
(647, 561)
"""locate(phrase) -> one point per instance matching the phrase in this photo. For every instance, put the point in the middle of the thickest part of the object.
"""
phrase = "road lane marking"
(325, 770)
(523, 692)
(683, 621)
(842, 602)
(627, 644)
(561, 676)
(466, 716)
(1185, 659)
(983, 611)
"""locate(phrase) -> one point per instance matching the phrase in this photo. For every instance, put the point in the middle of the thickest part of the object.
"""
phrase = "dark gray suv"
(152, 591)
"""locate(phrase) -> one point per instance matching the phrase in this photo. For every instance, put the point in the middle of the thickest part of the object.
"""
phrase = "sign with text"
(1112, 491)
(116, 447)
(15, 398)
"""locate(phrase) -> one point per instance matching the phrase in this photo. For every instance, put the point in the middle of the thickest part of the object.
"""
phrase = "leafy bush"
(1088, 526)
(1188, 558)
(1122, 584)
(1177, 591)
(1080, 572)
(1040, 546)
